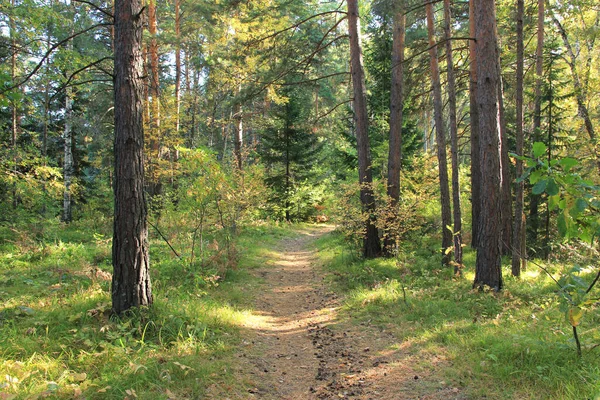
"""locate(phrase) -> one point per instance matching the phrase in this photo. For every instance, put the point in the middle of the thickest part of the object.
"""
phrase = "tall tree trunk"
(474, 118)
(131, 278)
(457, 218)
(67, 214)
(488, 265)
(372, 245)
(14, 125)
(395, 141)
(537, 116)
(580, 91)
(177, 66)
(506, 201)
(518, 239)
(440, 136)
(155, 186)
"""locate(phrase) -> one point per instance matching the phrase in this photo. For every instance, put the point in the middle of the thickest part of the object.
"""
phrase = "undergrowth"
(507, 345)
(58, 339)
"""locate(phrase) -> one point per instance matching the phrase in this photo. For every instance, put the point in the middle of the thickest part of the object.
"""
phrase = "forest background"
(262, 112)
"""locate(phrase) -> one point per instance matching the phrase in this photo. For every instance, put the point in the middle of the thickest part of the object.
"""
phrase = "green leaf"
(535, 176)
(567, 163)
(539, 149)
(562, 225)
(552, 188)
(580, 205)
(539, 187)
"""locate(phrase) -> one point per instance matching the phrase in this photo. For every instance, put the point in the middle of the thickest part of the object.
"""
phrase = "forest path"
(296, 347)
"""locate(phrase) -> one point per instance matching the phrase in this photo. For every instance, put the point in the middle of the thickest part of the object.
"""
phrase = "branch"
(332, 110)
(47, 54)
(95, 7)
(272, 35)
(165, 239)
(314, 79)
(66, 84)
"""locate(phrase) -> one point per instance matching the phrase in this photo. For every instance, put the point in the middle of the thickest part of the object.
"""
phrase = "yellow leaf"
(575, 315)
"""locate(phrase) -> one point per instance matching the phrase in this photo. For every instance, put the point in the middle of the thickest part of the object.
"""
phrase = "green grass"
(57, 337)
(508, 345)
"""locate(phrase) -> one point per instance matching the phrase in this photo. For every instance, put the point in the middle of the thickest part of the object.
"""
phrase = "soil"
(297, 347)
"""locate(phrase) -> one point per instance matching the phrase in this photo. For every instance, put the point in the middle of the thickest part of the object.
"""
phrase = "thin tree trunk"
(518, 239)
(14, 107)
(440, 136)
(131, 279)
(395, 141)
(537, 116)
(488, 265)
(372, 245)
(67, 214)
(457, 218)
(506, 202)
(177, 66)
(155, 186)
(475, 146)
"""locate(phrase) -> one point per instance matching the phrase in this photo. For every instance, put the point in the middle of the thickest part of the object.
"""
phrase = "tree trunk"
(440, 136)
(395, 141)
(372, 245)
(488, 265)
(537, 116)
(14, 125)
(457, 228)
(518, 238)
(67, 214)
(155, 186)
(475, 147)
(131, 279)
(506, 202)
(177, 66)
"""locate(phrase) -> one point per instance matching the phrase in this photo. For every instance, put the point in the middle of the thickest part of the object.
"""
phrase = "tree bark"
(155, 186)
(474, 119)
(506, 202)
(131, 279)
(457, 218)
(440, 136)
(371, 245)
(488, 265)
(14, 121)
(518, 239)
(395, 140)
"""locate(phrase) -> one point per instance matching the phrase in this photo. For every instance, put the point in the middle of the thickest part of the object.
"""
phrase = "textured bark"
(474, 117)
(372, 245)
(488, 265)
(457, 218)
(518, 238)
(131, 279)
(395, 140)
(440, 136)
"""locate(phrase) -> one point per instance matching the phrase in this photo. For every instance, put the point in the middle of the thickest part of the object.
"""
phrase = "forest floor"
(297, 346)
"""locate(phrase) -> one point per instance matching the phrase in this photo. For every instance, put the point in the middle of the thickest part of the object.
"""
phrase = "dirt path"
(297, 348)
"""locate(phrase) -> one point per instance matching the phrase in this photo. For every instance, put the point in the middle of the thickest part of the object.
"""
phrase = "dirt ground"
(296, 347)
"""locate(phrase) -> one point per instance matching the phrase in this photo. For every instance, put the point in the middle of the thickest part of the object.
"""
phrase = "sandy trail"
(296, 347)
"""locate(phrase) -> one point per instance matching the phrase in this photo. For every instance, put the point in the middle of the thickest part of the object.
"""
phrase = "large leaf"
(574, 315)
(551, 188)
(539, 149)
(539, 187)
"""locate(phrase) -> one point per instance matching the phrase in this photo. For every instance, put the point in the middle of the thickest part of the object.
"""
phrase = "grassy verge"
(57, 338)
(508, 345)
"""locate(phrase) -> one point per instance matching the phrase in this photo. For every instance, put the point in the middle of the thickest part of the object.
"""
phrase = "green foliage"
(576, 201)
(495, 345)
